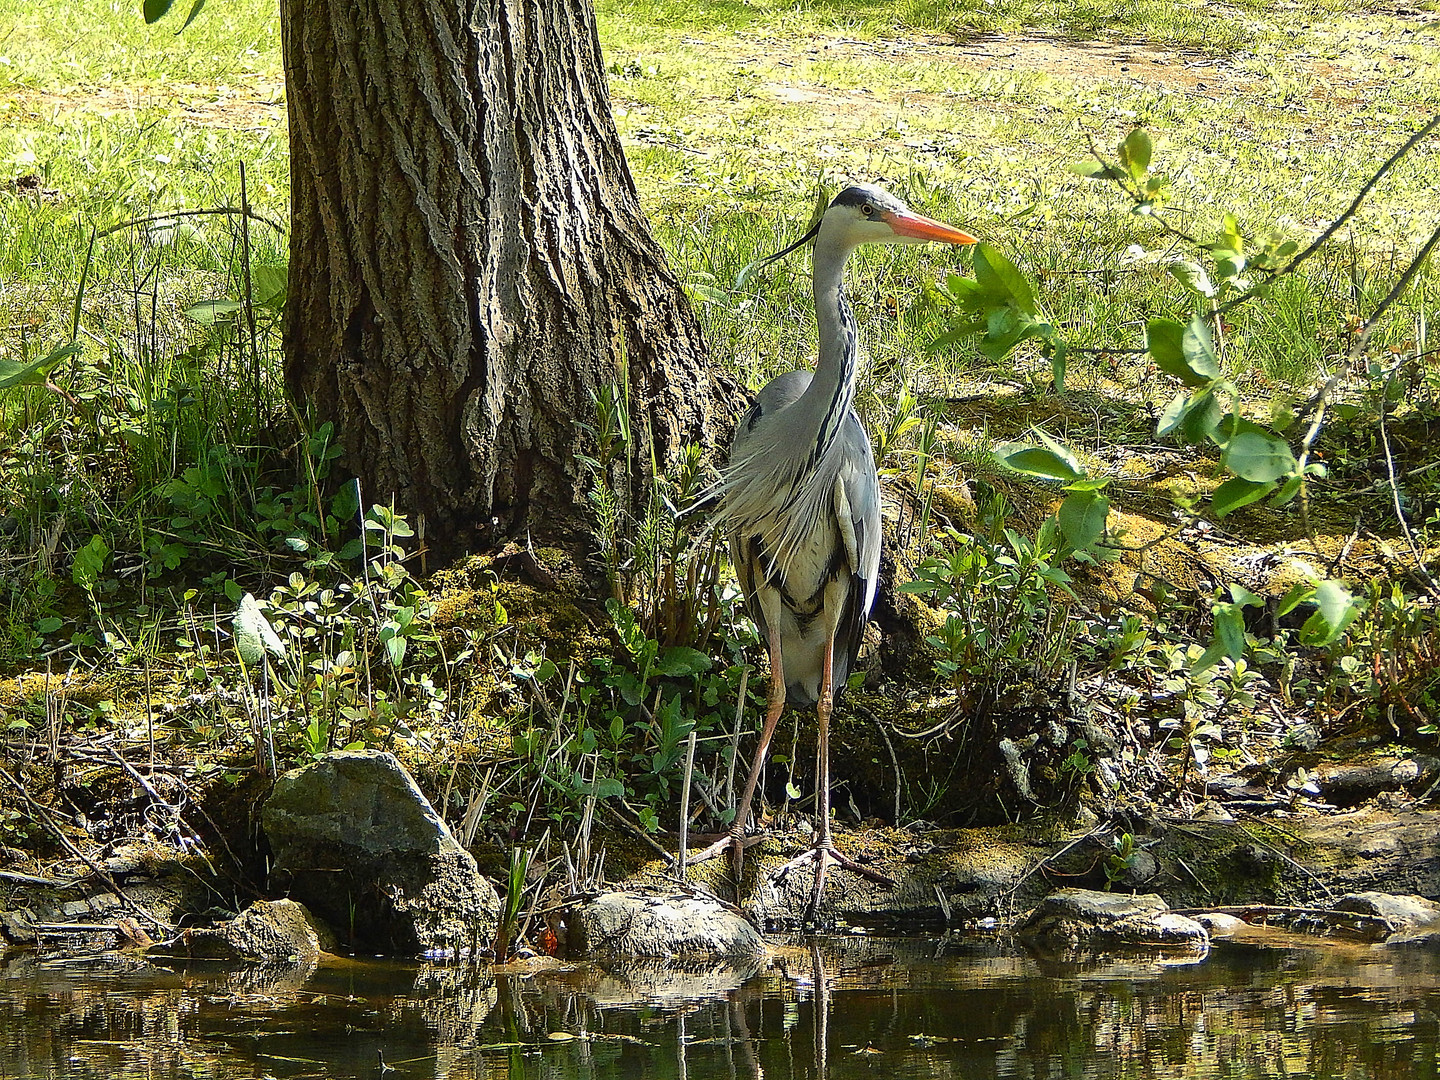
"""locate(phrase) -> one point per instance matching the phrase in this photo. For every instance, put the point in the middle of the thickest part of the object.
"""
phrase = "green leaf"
(1164, 339)
(269, 286)
(1002, 279)
(195, 10)
(1235, 493)
(13, 373)
(1202, 417)
(1096, 170)
(49, 624)
(1230, 629)
(1335, 610)
(1193, 276)
(1258, 456)
(154, 10)
(1038, 461)
(680, 660)
(1173, 415)
(1135, 153)
(90, 563)
(1199, 349)
(1287, 491)
(1299, 593)
(1208, 659)
(1243, 597)
(210, 312)
(254, 636)
(1082, 518)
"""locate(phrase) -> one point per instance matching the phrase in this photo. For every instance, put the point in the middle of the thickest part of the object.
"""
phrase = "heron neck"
(832, 389)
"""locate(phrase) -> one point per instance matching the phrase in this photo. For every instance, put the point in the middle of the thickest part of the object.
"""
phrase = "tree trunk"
(469, 263)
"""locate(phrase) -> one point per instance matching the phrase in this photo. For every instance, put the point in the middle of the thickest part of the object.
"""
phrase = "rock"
(1075, 918)
(1220, 925)
(18, 927)
(653, 924)
(1414, 919)
(1353, 783)
(357, 842)
(267, 932)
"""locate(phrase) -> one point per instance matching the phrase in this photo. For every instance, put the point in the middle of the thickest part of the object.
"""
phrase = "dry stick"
(187, 213)
(1430, 585)
(899, 777)
(685, 805)
(1317, 402)
(36, 879)
(735, 740)
(95, 868)
(249, 306)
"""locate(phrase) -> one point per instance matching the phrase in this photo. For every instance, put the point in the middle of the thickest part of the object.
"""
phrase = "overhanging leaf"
(1230, 629)
(1096, 170)
(1135, 152)
(17, 374)
(1198, 347)
(679, 660)
(195, 9)
(1001, 278)
(1038, 461)
(254, 636)
(154, 10)
(1335, 610)
(1082, 518)
(1235, 493)
(209, 312)
(1165, 341)
(1257, 456)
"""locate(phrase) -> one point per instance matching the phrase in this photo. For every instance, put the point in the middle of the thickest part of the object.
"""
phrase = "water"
(850, 1008)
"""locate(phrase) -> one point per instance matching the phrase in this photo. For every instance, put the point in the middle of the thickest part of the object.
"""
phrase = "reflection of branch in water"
(739, 1031)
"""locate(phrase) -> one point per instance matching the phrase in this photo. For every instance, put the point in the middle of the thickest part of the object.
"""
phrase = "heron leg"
(824, 850)
(735, 840)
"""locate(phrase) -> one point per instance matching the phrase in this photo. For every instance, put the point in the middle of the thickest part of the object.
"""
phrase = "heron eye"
(867, 210)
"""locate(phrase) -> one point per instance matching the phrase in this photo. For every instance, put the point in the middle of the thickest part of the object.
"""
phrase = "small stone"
(635, 923)
(1072, 918)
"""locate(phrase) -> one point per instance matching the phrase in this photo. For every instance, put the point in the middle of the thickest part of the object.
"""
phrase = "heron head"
(866, 214)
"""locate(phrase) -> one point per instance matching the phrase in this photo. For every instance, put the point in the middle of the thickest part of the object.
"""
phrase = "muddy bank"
(945, 878)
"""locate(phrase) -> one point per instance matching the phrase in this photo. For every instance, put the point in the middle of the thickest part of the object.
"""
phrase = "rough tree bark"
(469, 262)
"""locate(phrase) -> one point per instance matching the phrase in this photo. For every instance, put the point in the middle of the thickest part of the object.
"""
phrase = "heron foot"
(735, 842)
(822, 854)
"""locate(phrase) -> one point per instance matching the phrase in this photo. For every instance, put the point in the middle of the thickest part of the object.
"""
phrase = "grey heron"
(800, 501)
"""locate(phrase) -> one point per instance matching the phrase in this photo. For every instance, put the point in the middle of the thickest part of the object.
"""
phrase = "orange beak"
(924, 228)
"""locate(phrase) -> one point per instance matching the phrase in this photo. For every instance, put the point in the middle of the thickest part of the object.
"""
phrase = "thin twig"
(1335, 225)
(36, 879)
(188, 213)
(685, 805)
(1430, 586)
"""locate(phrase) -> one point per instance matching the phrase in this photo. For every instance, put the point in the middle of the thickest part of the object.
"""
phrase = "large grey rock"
(636, 923)
(1085, 918)
(267, 932)
(356, 841)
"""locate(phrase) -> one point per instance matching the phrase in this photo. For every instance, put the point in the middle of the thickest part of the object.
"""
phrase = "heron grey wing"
(862, 493)
(862, 488)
